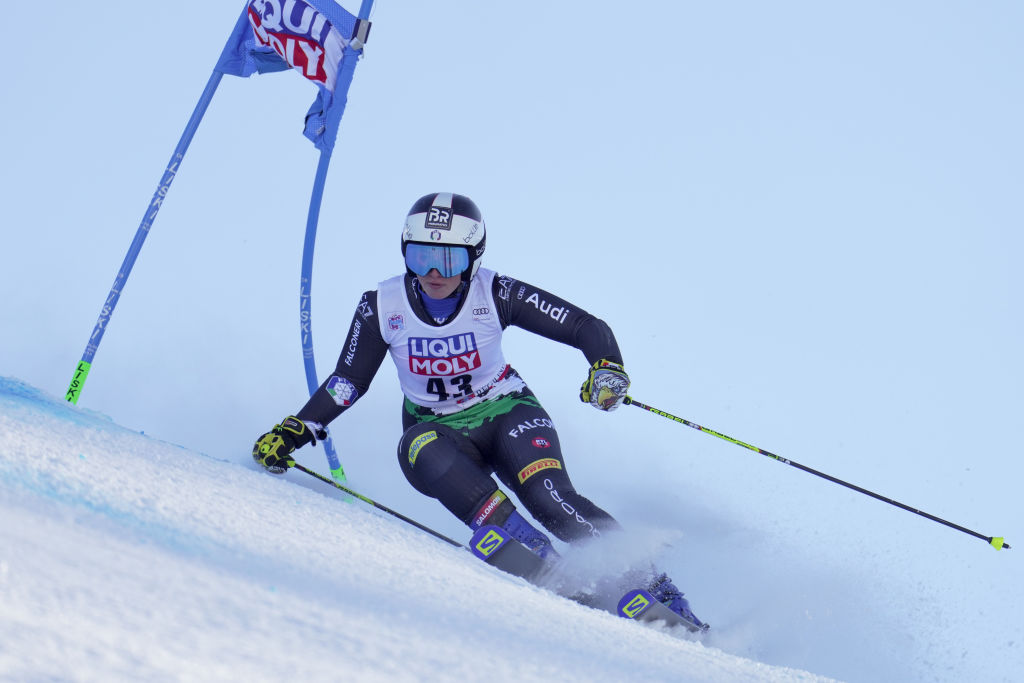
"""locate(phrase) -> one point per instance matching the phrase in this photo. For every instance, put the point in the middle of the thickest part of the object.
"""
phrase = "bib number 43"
(461, 386)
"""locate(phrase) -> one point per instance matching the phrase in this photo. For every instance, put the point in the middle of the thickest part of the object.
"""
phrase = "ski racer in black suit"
(467, 413)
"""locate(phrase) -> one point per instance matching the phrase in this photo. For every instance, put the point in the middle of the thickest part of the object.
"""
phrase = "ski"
(496, 547)
(493, 545)
(640, 605)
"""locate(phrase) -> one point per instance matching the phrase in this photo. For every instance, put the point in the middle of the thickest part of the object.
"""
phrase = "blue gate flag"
(317, 38)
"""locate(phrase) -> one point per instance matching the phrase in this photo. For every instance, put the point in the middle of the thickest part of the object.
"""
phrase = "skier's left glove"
(606, 386)
(274, 449)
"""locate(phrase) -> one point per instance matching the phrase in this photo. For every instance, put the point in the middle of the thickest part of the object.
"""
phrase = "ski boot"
(664, 591)
(498, 510)
(524, 532)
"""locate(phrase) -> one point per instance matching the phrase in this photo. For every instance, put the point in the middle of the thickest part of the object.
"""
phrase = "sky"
(802, 221)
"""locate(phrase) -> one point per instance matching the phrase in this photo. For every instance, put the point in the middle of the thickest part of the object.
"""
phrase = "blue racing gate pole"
(85, 364)
(305, 289)
(348, 66)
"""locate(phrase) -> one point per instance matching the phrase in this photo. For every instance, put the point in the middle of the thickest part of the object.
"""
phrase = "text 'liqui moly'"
(452, 355)
(301, 35)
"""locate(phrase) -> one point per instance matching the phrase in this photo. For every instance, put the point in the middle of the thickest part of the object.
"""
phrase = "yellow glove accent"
(606, 386)
(274, 449)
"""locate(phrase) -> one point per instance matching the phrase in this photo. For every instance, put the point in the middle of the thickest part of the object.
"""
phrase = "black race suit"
(510, 435)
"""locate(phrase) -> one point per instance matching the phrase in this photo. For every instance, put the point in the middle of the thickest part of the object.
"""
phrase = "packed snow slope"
(126, 558)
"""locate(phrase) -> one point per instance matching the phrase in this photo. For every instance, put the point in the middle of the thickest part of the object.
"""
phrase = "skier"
(467, 413)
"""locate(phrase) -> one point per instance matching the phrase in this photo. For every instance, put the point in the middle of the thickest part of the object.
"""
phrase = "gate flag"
(314, 37)
(321, 41)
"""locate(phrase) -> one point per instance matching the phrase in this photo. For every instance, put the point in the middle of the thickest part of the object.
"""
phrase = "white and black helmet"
(451, 228)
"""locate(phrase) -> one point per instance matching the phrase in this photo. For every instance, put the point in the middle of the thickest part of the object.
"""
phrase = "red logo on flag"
(309, 45)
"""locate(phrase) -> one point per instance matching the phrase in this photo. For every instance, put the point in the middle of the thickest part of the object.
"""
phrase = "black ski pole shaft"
(382, 508)
(996, 542)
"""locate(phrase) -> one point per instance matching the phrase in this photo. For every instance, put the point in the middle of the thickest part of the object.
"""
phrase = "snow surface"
(127, 558)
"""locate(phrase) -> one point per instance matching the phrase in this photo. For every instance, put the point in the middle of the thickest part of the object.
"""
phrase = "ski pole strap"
(996, 542)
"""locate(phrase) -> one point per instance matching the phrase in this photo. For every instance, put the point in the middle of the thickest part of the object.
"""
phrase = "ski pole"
(996, 542)
(377, 505)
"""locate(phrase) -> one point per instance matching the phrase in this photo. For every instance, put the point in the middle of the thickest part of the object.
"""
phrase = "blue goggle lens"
(449, 261)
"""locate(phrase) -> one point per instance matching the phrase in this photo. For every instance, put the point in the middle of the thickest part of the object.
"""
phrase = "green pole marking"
(77, 381)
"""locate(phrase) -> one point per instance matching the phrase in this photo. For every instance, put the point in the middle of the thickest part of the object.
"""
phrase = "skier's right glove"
(274, 449)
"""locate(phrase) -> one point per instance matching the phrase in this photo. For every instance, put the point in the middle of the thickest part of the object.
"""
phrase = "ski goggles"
(449, 261)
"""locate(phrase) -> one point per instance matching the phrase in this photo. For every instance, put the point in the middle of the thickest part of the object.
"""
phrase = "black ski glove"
(606, 386)
(274, 449)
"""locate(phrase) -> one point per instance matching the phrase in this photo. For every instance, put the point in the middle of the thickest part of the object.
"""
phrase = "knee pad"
(429, 452)
(441, 463)
(425, 452)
